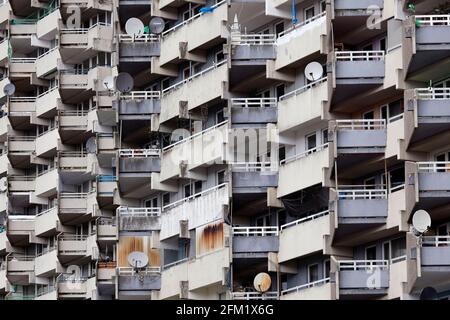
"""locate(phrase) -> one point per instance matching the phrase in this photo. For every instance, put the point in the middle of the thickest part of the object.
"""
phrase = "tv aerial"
(134, 27)
(124, 82)
(262, 282)
(157, 25)
(3, 184)
(421, 222)
(91, 145)
(313, 71)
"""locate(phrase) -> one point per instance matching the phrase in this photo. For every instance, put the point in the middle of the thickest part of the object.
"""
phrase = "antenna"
(134, 27)
(91, 145)
(3, 184)
(421, 221)
(429, 293)
(313, 71)
(157, 25)
(262, 282)
(124, 82)
(138, 259)
(9, 89)
(108, 82)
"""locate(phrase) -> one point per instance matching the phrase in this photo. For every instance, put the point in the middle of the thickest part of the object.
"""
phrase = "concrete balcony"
(254, 111)
(138, 163)
(356, 8)
(359, 67)
(47, 264)
(198, 32)
(74, 79)
(106, 278)
(47, 223)
(22, 106)
(433, 183)
(317, 290)
(4, 123)
(21, 145)
(434, 261)
(270, 295)
(107, 230)
(73, 287)
(47, 102)
(47, 27)
(139, 105)
(253, 177)
(74, 121)
(5, 12)
(22, 67)
(21, 184)
(4, 48)
(20, 269)
(211, 81)
(20, 229)
(75, 248)
(47, 183)
(90, 4)
(304, 170)
(203, 272)
(363, 278)
(199, 209)
(256, 241)
(290, 48)
(139, 219)
(313, 228)
(200, 149)
(75, 207)
(4, 163)
(47, 143)
(427, 114)
(24, 28)
(310, 100)
(76, 162)
(250, 47)
(139, 287)
(139, 49)
(47, 294)
(48, 62)
(426, 43)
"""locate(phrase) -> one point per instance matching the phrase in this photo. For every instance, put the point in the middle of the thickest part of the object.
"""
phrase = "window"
(368, 47)
(279, 28)
(324, 136)
(220, 177)
(393, 249)
(219, 56)
(370, 183)
(280, 90)
(326, 268)
(165, 83)
(323, 6)
(187, 190)
(186, 73)
(313, 273)
(151, 203)
(311, 141)
(383, 44)
(198, 186)
(220, 117)
(371, 253)
(309, 13)
(165, 199)
(282, 153)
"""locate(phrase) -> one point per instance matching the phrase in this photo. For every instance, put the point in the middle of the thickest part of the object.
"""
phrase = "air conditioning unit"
(184, 229)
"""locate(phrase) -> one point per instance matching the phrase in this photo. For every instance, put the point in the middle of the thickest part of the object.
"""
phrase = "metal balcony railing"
(254, 102)
(139, 153)
(194, 196)
(301, 24)
(270, 295)
(143, 38)
(360, 55)
(304, 154)
(48, 52)
(252, 166)
(255, 231)
(302, 89)
(355, 265)
(354, 192)
(361, 124)
(129, 271)
(305, 286)
(239, 39)
(435, 241)
(433, 20)
(22, 60)
(139, 212)
(83, 30)
(172, 264)
(304, 219)
(106, 178)
(433, 93)
(433, 166)
(140, 95)
(22, 99)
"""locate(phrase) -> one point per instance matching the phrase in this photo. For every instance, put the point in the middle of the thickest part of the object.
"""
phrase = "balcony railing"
(354, 192)
(302, 89)
(271, 295)
(143, 38)
(433, 20)
(253, 39)
(73, 195)
(22, 60)
(196, 195)
(255, 231)
(435, 241)
(361, 124)
(306, 286)
(172, 264)
(140, 95)
(139, 212)
(355, 265)
(433, 166)
(251, 166)
(129, 271)
(22, 99)
(433, 93)
(254, 102)
(83, 30)
(139, 153)
(198, 134)
(301, 24)
(304, 154)
(48, 52)
(360, 55)
(197, 75)
(304, 219)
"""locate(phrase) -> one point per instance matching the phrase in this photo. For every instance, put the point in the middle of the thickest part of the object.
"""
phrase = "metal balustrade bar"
(139, 212)
(362, 264)
(145, 38)
(140, 95)
(304, 219)
(139, 153)
(354, 194)
(433, 20)
(435, 241)
(254, 102)
(302, 89)
(304, 154)
(255, 231)
(433, 93)
(301, 24)
(252, 166)
(359, 55)
(196, 195)
(361, 124)
(239, 39)
(433, 166)
(270, 295)
(306, 286)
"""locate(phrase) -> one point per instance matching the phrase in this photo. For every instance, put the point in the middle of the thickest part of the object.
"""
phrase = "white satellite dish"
(3, 184)
(313, 71)
(138, 259)
(134, 27)
(124, 82)
(262, 282)
(9, 89)
(91, 145)
(108, 82)
(157, 25)
(421, 221)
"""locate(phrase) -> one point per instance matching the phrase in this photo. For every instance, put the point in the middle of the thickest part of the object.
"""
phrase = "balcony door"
(371, 253)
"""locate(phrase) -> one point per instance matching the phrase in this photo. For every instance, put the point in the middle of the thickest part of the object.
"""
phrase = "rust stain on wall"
(210, 238)
(142, 244)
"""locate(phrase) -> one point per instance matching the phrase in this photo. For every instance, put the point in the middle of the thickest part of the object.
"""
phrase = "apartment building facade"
(225, 158)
